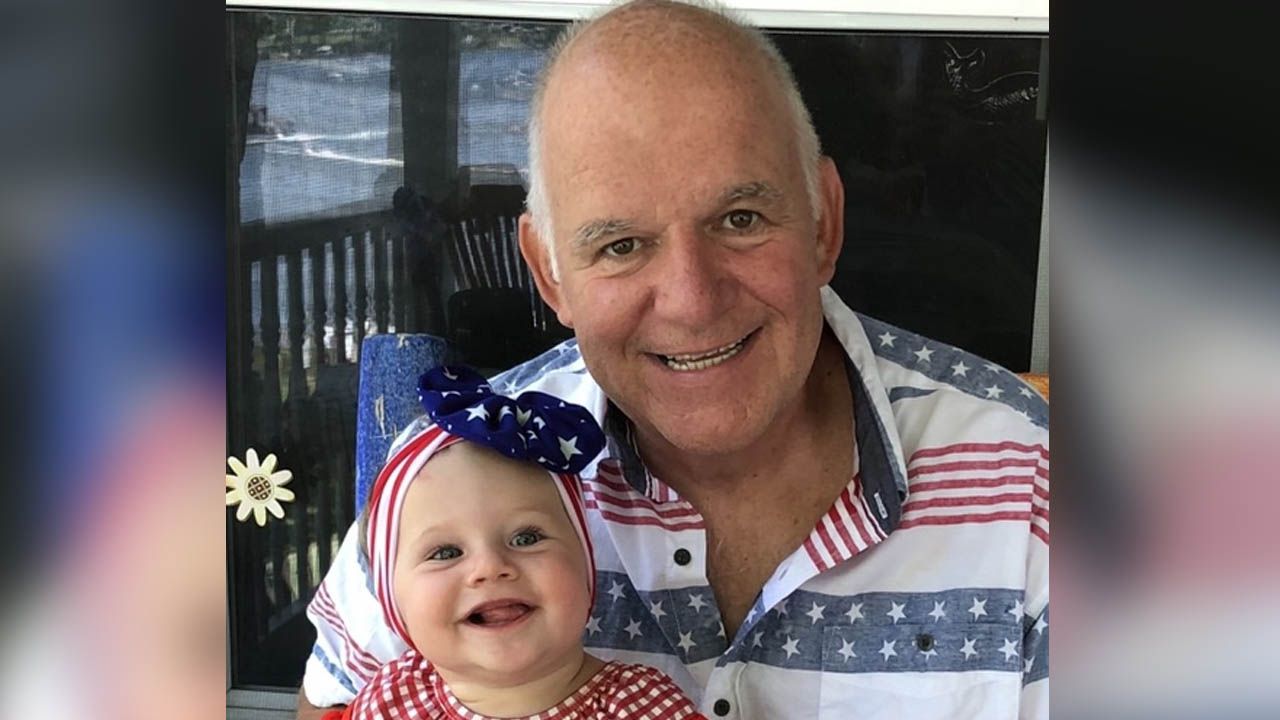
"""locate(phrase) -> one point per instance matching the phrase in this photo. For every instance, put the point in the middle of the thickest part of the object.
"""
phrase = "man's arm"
(307, 711)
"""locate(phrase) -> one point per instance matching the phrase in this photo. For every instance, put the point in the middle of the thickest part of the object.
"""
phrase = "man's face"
(490, 576)
(689, 257)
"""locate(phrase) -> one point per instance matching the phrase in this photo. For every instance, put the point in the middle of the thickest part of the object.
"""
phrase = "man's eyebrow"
(592, 231)
(754, 190)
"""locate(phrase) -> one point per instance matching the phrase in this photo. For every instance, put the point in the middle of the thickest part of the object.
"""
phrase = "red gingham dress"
(409, 687)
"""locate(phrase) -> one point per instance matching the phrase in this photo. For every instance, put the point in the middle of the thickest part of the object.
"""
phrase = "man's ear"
(537, 254)
(831, 221)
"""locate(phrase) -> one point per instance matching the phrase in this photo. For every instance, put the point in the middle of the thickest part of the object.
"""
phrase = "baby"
(481, 561)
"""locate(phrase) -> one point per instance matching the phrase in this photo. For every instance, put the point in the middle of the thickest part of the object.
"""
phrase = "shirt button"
(683, 557)
(924, 641)
(721, 707)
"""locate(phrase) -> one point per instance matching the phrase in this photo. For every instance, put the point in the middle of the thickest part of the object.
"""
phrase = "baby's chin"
(507, 669)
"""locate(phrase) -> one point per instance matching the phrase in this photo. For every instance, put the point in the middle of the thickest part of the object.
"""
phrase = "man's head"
(681, 220)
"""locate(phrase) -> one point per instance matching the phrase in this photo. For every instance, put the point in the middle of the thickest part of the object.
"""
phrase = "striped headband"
(533, 427)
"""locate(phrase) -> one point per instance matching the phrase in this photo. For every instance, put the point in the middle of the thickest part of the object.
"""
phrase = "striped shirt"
(922, 592)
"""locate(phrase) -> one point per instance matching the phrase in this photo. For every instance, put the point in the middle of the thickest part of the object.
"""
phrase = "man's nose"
(692, 284)
(490, 564)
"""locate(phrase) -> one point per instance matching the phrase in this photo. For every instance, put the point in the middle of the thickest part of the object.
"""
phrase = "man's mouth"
(498, 613)
(690, 362)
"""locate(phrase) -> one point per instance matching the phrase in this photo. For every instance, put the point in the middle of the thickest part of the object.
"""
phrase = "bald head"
(669, 60)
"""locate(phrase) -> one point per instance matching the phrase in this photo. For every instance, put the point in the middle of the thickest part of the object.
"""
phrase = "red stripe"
(1040, 511)
(1042, 472)
(1040, 533)
(976, 518)
(979, 448)
(855, 518)
(914, 505)
(364, 662)
(1041, 492)
(928, 485)
(640, 503)
(957, 465)
(642, 519)
(825, 537)
(813, 554)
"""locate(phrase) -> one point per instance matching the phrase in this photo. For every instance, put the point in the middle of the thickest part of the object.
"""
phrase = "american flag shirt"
(923, 592)
(410, 687)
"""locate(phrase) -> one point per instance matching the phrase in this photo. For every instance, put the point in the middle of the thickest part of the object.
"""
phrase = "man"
(791, 519)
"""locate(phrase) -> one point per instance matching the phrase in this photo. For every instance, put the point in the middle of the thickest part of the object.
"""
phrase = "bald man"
(799, 513)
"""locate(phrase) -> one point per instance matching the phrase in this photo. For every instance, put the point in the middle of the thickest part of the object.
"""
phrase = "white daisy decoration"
(256, 488)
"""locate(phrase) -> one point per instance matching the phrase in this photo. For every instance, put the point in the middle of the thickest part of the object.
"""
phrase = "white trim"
(1019, 16)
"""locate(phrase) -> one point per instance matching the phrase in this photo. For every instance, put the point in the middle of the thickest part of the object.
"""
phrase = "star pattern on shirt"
(1017, 610)
(855, 612)
(932, 652)
(755, 640)
(569, 447)
(1041, 624)
(887, 338)
(477, 412)
(616, 592)
(846, 650)
(696, 602)
(924, 354)
(633, 629)
(969, 650)
(960, 369)
(686, 642)
(938, 612)
(1025, 391)
(994, 392)
(979, 608)
(887, 650)
(896, 612)
(815, 612)
(1010, 649)
(656, 609)
(791, 646)
(593, 625)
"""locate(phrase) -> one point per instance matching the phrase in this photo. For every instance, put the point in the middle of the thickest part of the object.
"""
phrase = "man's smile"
(689, 362)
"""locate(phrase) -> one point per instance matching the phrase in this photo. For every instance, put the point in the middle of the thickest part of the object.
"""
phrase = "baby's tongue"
(505, 613)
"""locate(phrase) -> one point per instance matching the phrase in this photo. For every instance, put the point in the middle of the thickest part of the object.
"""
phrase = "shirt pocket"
(923, 671)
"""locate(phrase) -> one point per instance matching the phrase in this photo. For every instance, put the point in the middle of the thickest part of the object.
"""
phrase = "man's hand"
(307, 711)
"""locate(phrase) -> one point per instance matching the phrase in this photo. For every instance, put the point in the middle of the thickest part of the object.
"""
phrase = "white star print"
(656, 609)
(994, 367)
(1010, 649)
(755, 640)
(522, 416)
(569, 446)
(931, 652)
(938, 613)
(968, 649)
(855, 612)
(696, 602)
(633, 629)
(616, 591)
(593, 625)
(477, 412)
(1025, 391)
(1041, 624)
(846, 649)
(447, 393)
(960, 369)
(791, 647)
(446, 373)
(979, 608)
(815, 612)
(886, 339)
(505, 411)
(539, 423)
(751, 616)
(782, 608)
(686, 642)
(1026, 667)
(994, 391)
(896, 612)
(924, 354)
(1017, 609)
(887, 650)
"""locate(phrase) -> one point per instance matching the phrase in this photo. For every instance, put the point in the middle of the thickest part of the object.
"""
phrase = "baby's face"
(490, 576)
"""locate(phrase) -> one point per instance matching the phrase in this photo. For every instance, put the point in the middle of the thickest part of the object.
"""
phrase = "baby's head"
(480, 559)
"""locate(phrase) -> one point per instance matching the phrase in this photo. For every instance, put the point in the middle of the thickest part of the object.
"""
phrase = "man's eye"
(619, 248)
(525, 538)
(447, 552)
(741, 219)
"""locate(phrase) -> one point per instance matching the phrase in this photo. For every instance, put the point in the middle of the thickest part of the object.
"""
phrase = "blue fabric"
(390, 366)
(534, 426)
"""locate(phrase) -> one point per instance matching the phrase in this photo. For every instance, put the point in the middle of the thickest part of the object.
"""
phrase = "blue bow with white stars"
(535, 426)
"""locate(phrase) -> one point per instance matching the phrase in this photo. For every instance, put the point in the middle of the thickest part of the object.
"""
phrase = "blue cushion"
(390, 366)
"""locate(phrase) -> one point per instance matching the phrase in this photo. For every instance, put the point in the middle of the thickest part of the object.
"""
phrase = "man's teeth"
(702, 361)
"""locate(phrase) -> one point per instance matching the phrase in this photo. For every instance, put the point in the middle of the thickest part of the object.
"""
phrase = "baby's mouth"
(497, 614)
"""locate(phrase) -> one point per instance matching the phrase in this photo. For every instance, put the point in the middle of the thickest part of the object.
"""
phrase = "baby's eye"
(620, 248)
(448, 552)
(741, 219)
(525, 538)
